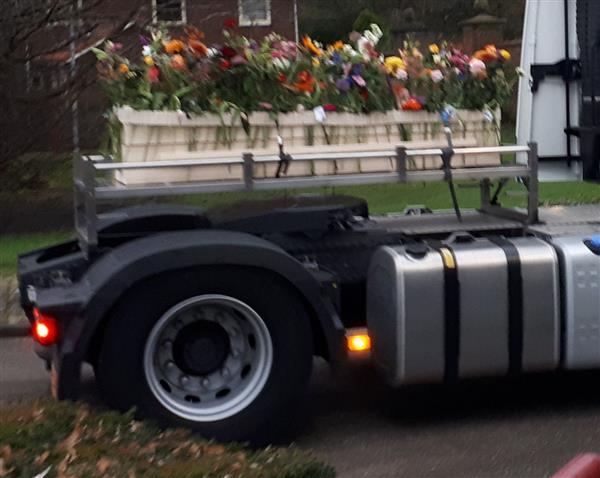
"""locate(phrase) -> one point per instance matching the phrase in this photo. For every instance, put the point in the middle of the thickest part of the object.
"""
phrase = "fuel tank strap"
(515, 304)
(452, 314)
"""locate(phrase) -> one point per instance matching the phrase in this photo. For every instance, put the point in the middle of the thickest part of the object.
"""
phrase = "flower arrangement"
(280, 76)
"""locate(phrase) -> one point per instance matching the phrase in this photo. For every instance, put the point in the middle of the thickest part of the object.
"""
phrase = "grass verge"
(60, 439)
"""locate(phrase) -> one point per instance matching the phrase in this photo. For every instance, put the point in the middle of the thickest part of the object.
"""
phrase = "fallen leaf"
(38, 414)
(71, 442)
(3, 470)
(41, 458)
(103, 465)
(131, 474)
(6, 453)
(214, 450)
(150, 448)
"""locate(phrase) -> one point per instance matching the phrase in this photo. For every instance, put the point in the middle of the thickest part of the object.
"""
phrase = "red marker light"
(45, 330)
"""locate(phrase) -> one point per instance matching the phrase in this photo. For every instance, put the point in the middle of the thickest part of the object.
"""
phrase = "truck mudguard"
(91, 299)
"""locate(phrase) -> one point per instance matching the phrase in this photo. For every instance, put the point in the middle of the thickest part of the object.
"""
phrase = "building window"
(169, 11)
(254, 12)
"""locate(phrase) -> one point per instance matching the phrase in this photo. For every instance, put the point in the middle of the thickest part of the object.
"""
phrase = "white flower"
(376, 30)
(437, 59)
(212, 52)
(401, 74)
(364, 47)
(281, 63)
(147, 50)
(437, 76)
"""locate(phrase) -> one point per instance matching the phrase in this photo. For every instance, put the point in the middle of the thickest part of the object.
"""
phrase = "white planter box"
(168, 135)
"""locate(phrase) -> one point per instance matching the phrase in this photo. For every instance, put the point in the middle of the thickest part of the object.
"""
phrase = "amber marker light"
(44, 330)
(358, 341)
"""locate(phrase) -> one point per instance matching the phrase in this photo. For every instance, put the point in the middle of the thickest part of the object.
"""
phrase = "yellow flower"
(506, 55)
(434, 49)
(394, 63)
(149, 60)
(316, 62)
(123, 69)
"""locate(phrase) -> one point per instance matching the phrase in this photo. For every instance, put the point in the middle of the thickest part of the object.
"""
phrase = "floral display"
(281, 76)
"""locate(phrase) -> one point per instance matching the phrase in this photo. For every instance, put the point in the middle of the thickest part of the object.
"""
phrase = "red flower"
(228, 52)
(153, 74)
(364, 93)
(282, 78)
(224, 64)
(329, 107)
(230, 23)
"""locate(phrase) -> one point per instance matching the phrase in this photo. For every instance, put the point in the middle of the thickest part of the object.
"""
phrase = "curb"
(586, 465)
(14, 331)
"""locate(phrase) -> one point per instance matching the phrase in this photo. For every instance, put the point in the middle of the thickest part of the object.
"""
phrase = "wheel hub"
(201, 348)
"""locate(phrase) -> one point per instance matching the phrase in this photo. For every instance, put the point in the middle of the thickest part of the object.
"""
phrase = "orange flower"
(123, 69)
(311, 47)
(489, 53)
(306, 83)
(338, 45)
(198, 47)
(174, 46)
(178, 62)
(412, 105)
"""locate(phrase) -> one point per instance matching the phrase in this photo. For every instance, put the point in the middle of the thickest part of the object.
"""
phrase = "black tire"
(120, 370)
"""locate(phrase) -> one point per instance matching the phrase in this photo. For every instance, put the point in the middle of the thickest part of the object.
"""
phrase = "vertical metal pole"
(248, 170)
(568, 84)
(533, 199)
(484, 186)
(296, 29)
(401, 163)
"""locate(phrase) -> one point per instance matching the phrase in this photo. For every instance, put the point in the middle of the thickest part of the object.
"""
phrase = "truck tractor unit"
(211, 318)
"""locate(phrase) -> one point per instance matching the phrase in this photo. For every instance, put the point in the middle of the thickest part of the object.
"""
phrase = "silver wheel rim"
(230, 388)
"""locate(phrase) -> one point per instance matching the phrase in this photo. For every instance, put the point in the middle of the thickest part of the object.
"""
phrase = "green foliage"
(79, 441)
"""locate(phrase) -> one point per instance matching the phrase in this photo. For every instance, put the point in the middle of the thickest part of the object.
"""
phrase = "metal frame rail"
(88, 191)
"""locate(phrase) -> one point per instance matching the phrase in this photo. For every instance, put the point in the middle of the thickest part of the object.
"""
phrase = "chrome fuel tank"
(473, 308)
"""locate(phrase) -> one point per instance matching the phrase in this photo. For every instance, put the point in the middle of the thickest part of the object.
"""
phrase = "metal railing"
(88, 190)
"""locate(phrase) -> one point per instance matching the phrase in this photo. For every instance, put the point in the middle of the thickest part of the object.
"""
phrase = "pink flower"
(265, 106)
(477, 67)
(359, 81)
(437, 76)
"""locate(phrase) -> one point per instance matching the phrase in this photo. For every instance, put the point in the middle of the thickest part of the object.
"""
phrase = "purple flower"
(144, 40)
(337, 58)
(344, 84)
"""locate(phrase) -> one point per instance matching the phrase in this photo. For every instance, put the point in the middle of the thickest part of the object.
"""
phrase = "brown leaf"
(38, 414)
(6, 453)
(103, 465)
(3, 470)
(150, 448)
(71, 442)
(131, 473)
(41, 459)
(214, 450)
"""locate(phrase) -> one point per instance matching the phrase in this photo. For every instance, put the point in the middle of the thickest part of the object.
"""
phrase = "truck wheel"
(227, 352)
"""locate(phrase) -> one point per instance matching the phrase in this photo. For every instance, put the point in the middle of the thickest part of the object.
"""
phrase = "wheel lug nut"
(167, 344)
(170, 365)
(185, 380)
(235, 353)
(225, 372)
(205, 382)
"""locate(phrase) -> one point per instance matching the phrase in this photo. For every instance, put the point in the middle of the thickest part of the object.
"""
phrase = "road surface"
(487, 429)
